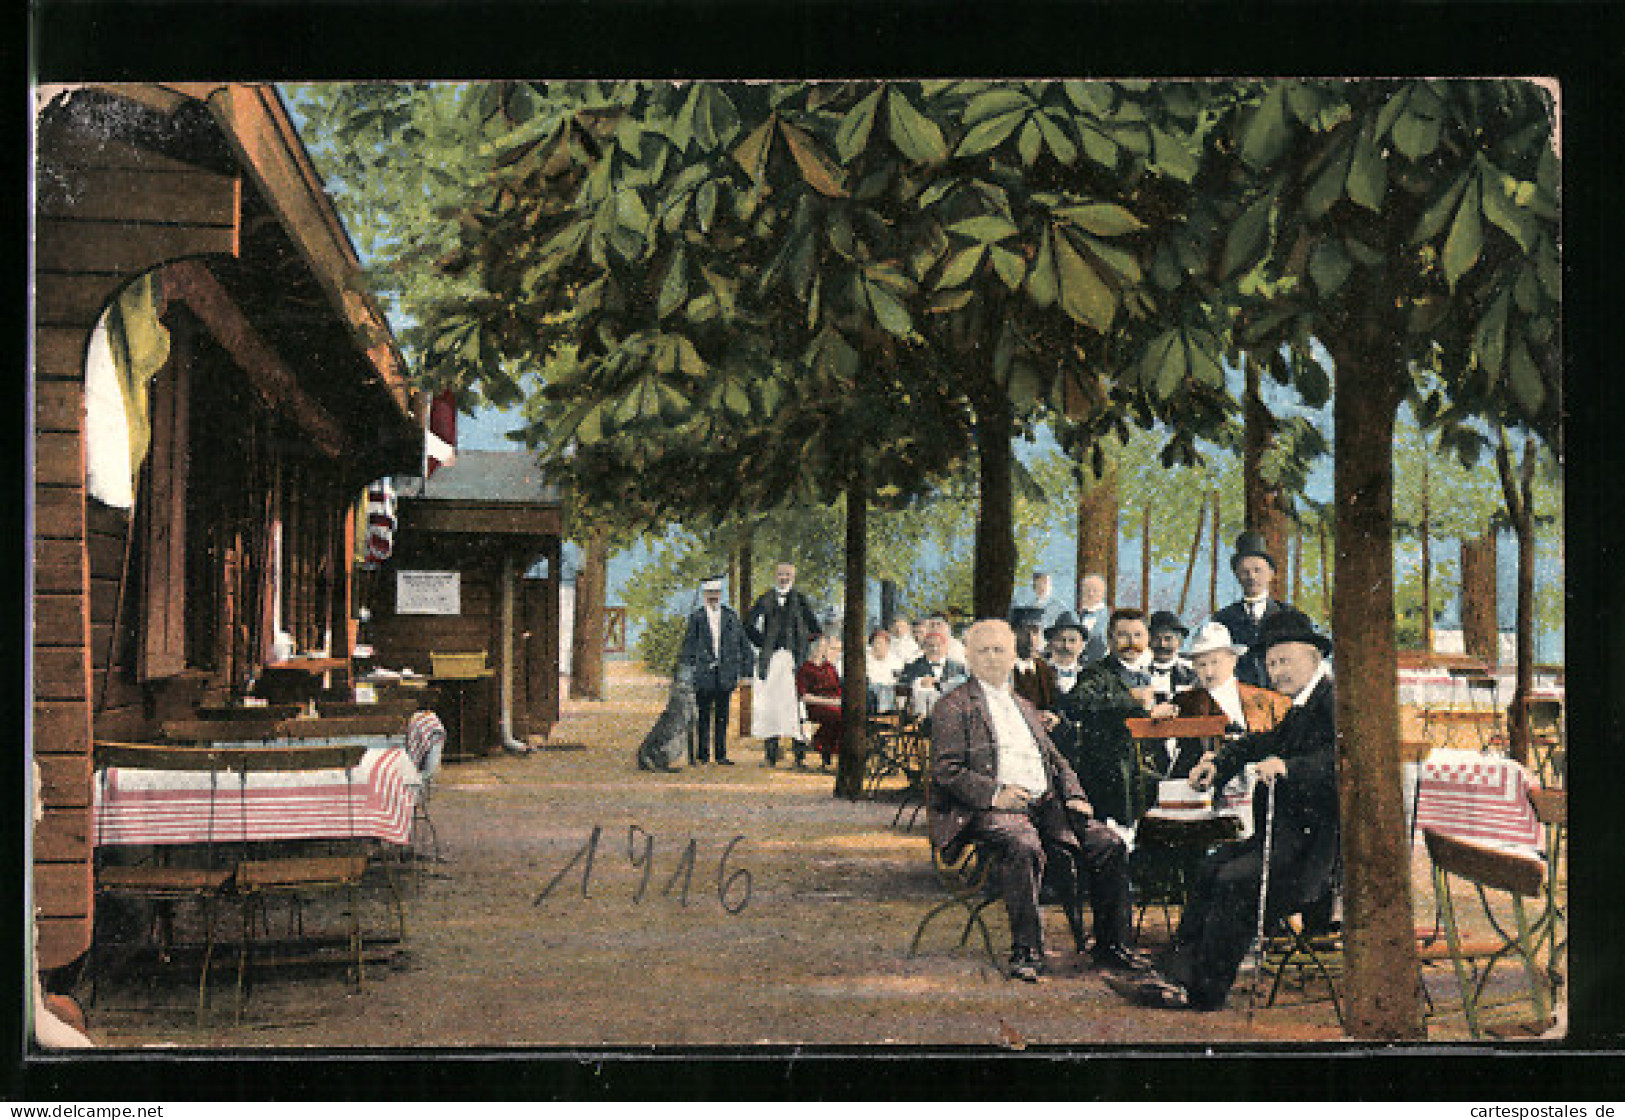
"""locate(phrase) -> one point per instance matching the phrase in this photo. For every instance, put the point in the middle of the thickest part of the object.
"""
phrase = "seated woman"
(819, 686)
(881, 672)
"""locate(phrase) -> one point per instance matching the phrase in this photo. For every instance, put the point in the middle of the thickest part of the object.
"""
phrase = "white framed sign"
(428, 592)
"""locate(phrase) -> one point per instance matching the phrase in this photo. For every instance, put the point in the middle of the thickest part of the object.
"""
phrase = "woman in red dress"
(819, 686)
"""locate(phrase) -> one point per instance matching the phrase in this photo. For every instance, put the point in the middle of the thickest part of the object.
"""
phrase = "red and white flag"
(440, 434)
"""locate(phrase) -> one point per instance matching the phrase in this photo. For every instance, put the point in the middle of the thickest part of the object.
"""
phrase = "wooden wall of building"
(107, 212)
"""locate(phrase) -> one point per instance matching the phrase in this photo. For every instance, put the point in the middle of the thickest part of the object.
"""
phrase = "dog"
(672, 736)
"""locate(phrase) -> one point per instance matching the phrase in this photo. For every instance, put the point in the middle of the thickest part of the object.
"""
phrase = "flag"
(440, 434)
(380, 521)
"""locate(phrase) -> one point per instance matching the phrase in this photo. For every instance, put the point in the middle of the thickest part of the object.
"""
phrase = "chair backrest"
(1181, 727)
(161, 756)
(1489, 867)
(222, 730)
(1551, 806)
(284, 758)
(1544, 715)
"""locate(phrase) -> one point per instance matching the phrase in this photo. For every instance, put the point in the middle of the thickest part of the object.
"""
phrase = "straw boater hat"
(1167, 621)
(1213, 636)
(1252, 544)
(1291, 625)
(1066, 620)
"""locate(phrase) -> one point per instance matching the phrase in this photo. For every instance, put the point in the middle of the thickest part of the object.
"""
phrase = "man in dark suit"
(1297, 771)
(783, 625)
(1254, 569)
(997, 780)
(1096, 741)
(933, 674)
(1033, 677)
(717, 653)
(1093, 618)
(1170, 673)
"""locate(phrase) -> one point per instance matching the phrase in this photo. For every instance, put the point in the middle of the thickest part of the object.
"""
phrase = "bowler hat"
(1251, 544)
(1066, 620)
(1289, 624)
(1023, 617)
(1167, 621)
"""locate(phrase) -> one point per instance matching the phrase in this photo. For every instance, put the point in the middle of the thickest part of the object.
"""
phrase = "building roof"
(491, 476)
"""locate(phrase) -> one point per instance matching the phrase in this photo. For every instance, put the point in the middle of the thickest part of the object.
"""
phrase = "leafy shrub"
(661, 641)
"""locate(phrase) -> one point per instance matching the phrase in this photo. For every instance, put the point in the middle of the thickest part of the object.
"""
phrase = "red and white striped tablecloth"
(1477, 797)
(374, 801)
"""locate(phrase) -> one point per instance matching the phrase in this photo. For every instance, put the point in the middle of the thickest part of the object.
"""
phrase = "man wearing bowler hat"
(1254, 569)
(1297, 774)
(1170, 673)
(1033, 677)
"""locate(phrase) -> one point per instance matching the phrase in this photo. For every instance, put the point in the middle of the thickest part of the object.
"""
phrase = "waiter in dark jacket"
(717, 652)
(783, 625)
(1297, 769)
(1254, 569)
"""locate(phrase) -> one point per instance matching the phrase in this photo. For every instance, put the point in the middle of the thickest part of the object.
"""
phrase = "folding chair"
(1160, 880)
(1486, 869)
(425, 742)
(1552, 809)
(155, 881)
(1307, 946)
(1544, 719)
(258, 880)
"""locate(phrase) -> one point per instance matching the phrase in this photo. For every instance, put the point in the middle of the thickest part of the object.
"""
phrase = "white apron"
(775, 710)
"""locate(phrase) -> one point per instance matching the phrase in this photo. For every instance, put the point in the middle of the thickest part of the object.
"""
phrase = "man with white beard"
(782, 624)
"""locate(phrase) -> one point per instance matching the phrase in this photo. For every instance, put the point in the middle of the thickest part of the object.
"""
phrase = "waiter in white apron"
(782, 624)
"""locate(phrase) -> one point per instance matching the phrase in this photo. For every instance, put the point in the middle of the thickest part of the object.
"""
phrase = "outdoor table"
(1474, 796)
(164, 807)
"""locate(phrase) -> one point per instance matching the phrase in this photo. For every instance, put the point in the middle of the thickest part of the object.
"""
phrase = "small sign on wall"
(428, 593)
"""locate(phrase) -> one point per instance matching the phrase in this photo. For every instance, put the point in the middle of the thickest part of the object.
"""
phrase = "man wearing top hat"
(1297, 771)
(717, 652)
(782, 624)
(1254, 569)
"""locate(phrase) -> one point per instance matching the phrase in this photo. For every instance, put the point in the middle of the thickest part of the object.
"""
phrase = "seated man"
(1119, 783)
(1034, 677)
(1170, 673)
(1213, 659)
(933, 674)
(1297, 764)
(996, 779)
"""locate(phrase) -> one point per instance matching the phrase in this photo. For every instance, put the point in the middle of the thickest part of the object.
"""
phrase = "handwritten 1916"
(733, 887)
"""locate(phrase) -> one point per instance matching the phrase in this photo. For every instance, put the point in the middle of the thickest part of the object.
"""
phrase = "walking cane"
(1263, 895)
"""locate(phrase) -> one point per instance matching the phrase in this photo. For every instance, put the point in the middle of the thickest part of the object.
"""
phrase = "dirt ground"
(800, 938)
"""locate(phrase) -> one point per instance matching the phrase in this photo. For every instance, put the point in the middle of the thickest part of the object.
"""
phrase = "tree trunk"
(1145, 559)
(1480, 632)
(1427, 565)
(587, 639)
(995, 573)
(854, 672)
(742, 602)
(1196, 549)
(1325, 574)
(1097, 529)
(888, 602)
(1297, 561)
(1213, 570)
(1519, 494)
(1378, 931)
(1266, 512)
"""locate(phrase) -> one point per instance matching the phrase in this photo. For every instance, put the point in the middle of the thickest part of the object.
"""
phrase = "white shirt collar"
(1140, 665)
(1322, 671)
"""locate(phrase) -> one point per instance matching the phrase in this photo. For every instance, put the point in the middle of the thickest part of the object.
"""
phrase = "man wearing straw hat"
(1293, 856)
(716, 650)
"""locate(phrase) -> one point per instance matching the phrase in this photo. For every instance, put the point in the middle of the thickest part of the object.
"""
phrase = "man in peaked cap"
(1254, 569)
(718, 653)
(1297, 772)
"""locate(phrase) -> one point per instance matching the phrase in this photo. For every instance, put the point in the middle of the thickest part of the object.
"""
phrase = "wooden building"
(478, 527)
(281, 397)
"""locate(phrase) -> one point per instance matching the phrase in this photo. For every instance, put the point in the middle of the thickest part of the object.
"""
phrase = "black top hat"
(1251, 544)
(1289, 624)
(1023, 617)
(1167, 620)
(1066, 620)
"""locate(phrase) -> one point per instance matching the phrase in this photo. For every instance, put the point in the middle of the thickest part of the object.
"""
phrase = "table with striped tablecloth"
(1477, 797)
(372, 801)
